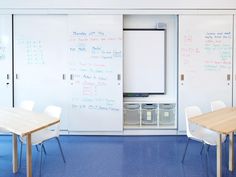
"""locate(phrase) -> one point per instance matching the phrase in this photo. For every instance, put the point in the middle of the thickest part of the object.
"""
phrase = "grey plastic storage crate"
(166, 114)
(131, 114)
(149, 114)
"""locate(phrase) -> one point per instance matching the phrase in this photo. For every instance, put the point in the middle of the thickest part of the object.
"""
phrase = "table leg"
(29, 156)
(231, 151)
(219, 156)
(14, 155)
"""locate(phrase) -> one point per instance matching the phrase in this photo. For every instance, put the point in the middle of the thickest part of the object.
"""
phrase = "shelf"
(149, 115)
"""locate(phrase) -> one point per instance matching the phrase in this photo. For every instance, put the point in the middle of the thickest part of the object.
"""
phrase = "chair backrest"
(54, 111)
(27, 105)
(218, 104)
(191, 111)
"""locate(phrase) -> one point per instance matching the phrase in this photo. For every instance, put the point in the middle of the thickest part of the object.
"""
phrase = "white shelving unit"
(150, 115)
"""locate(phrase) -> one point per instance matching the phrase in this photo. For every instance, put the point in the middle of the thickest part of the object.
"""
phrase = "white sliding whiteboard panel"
(95, 64)
(205, 61)
(40, 48)
(6, 60)
(234, 55)
(144, 61)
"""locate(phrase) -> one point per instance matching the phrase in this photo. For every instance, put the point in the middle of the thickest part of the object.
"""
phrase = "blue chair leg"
(225, 159)
(208, 147)
(21, 144)
(58, 141)
(207, 157)
(44, 150)
(186, 147)
(20, 154)
(202, 148)
(41, 157)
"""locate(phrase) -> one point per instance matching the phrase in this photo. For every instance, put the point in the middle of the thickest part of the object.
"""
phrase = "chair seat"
(196, 135)
(207, 136)
(39, 136)
(210, 137)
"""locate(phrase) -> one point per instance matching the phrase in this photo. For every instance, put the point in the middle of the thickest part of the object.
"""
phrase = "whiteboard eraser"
(161, 25)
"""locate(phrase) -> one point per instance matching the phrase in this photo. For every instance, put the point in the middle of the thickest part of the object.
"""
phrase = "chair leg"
(44, 150)
(185, 151)
(208, 147)
(206, 151)
(202, 148)
(41, 157)
(20, 154)
(225, 159)
(58, 141)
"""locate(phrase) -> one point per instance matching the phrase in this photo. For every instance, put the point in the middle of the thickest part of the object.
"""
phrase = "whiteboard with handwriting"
(39, 61)
(205, 61)
(234, 70)
(95, 62)
(73, 61)
(6, 60)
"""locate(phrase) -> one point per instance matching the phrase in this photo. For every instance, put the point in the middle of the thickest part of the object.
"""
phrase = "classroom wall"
(137, 14)
(119, 4)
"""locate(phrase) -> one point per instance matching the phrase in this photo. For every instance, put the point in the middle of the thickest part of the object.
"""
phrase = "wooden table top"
(222, 120)
(23, 122)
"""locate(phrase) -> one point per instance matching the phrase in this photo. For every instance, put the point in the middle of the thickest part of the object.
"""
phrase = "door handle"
(118, 77)
(71, 77)
(63, 77)
(182, 77)
(228, 77)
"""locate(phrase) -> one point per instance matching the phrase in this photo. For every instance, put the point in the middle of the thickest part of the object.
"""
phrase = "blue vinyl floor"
(117, 156)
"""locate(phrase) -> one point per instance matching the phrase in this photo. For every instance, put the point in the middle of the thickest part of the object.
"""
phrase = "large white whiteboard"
(95, 59)
(73, 61)
(144, 61)
(5, 60)
(234, 56)
(205, 61)
(40, 43)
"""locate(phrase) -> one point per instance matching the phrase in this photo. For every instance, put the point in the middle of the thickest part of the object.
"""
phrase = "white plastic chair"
(39, 137)
(193, 132)
(218, 104)
(196, 132)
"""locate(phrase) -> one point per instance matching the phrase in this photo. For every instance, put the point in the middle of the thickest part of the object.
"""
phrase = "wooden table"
(222, 121)
(24, 123)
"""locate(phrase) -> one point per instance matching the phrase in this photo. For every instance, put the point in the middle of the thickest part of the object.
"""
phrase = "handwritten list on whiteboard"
(93, 53)
(33, 50)
(218, 48)
(206, 50)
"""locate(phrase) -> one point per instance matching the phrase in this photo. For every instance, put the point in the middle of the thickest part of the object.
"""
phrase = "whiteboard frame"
(145, 94)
